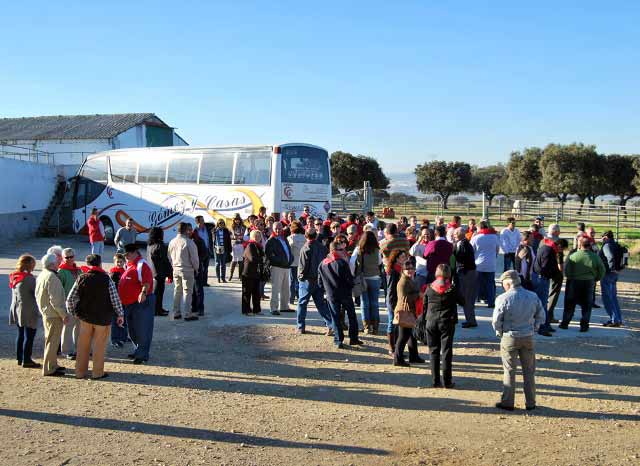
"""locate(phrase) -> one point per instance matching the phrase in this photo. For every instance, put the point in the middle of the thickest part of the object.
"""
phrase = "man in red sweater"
(437, 252)
(136, 293)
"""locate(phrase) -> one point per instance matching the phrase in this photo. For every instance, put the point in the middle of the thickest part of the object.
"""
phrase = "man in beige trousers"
(183, 255)
(51, 302)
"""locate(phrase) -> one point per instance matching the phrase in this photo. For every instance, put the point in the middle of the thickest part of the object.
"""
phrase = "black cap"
(131, 247)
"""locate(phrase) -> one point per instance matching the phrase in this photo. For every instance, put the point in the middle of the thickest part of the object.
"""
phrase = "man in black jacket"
(311, 255)
(548, 267)
(466, 278)
(334, 276)
(279, 256)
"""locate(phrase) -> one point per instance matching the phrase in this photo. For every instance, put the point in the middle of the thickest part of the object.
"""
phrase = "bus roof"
(186, 149)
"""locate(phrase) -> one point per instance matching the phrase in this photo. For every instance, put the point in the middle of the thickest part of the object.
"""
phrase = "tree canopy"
(444, 178)
(523, 173)
(488, 180)
(350, 172)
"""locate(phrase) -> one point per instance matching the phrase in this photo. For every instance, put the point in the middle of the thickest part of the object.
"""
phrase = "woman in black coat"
(158, 255)
(253, 263)
(442, 317)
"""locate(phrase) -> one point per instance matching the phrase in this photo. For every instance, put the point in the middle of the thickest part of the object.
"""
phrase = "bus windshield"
(301, 164)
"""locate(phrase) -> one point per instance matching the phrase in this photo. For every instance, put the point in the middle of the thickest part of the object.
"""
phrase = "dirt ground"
(229, 390)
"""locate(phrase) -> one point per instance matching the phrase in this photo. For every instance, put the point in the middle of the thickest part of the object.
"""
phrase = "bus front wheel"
(109, 231)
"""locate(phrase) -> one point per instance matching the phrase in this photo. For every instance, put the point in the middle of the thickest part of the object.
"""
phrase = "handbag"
(420, 330)
(264, 272)
(403, 316)
(359, 283)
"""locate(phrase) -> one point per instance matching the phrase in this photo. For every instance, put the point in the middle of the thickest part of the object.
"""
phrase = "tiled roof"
(72, 126)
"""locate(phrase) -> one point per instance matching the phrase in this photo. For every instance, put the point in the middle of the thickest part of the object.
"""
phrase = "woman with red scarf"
(442, 317)
(253, 264)
(24, 310)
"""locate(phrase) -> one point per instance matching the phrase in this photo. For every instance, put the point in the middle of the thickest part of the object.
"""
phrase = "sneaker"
(499, 405)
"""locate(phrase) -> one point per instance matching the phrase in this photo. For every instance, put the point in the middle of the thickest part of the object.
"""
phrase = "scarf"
(552, 244)
(73, 268)
(95, 268)
(17, 277)
(440, 285)
(119, 270)
(452, 225)
(487, 231)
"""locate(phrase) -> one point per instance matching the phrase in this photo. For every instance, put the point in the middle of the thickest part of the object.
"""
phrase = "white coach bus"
(163, 186)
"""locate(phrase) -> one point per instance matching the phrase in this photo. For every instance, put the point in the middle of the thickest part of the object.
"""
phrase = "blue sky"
(405, 82)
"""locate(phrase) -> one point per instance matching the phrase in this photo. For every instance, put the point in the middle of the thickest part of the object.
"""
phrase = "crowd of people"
(424, 270)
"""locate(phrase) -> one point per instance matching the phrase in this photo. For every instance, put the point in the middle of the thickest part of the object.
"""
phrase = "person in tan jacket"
(50, 297)
(183, 255)
(408, 293)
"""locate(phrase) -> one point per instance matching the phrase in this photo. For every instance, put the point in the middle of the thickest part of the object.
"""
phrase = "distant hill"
(404, 183)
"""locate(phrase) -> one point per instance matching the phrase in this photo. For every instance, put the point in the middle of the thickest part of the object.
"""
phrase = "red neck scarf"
(70, 267)
(551, 244)
(487, 231)
(95, 268)
(440, 285)
(452, 225)
(253, 241)
(116, 270)
(17, 277)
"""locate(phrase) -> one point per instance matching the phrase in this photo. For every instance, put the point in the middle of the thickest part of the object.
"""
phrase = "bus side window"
(183, 170)
(152, 171)
(123, 170)
(95, 169)
(216, 168)
(253, 168)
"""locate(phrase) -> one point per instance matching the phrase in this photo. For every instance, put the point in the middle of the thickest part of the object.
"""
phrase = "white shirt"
(509, 240)
(417, 251)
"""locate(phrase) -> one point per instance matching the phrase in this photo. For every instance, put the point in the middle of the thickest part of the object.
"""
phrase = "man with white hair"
(51, 302)
(57, 251)
(278, 255)
(517, 316)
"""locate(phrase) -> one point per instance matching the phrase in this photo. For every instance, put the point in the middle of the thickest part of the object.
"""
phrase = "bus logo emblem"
(287, 189)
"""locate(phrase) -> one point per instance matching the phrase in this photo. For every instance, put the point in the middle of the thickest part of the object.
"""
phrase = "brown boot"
(392, 343)
(366, 326)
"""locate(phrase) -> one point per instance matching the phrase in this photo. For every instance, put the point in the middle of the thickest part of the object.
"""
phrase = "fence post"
(618, 224)
(500, 209)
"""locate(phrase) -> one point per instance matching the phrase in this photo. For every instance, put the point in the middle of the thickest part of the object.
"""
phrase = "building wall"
(22, 205)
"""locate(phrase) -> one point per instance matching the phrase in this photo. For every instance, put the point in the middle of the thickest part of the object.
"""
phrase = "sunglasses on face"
(70, 257)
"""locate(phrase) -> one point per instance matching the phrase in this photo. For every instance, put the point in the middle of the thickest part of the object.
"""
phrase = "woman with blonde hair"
(24, 310)
(442, 317)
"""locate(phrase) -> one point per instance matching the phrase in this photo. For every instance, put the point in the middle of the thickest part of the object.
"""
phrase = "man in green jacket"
(583, 268)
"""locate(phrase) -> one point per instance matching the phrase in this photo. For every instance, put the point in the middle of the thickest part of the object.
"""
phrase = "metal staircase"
(52, 221)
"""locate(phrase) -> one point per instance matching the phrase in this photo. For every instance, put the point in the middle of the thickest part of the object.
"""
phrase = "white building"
(68, 139)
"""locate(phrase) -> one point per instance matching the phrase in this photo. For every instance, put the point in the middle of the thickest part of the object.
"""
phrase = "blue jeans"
(338, 332)
(293, 284)
(221, 266)
(119, 334)
(308, 290)
(140, 317)
(487, 287)
(609, 287)
(370, 306)
(542, 290)
(24, 347)
(390, 311)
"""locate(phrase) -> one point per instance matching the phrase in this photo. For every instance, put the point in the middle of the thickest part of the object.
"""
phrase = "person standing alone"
(95, 228)
(509, 241)
(611, 255)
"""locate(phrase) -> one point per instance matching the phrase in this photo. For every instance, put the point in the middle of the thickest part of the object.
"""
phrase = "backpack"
(620, 258)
